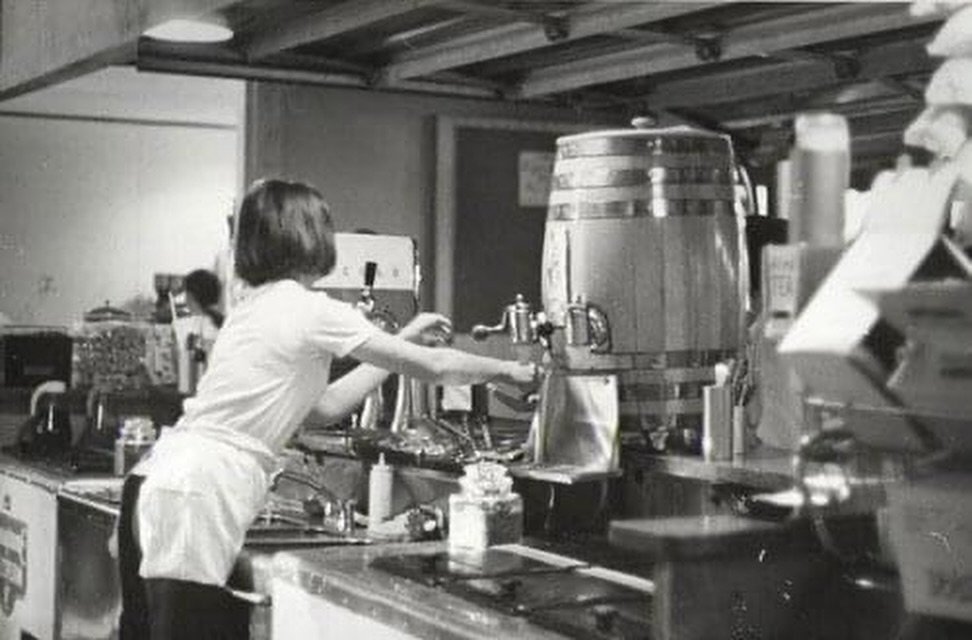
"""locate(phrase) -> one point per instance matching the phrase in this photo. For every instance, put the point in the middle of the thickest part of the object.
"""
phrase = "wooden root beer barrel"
(642, 224)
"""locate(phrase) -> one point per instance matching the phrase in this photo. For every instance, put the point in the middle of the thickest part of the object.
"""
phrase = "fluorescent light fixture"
(189, 31)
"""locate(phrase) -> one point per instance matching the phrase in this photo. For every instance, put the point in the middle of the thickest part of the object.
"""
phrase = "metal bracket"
(846, 68)
(708, 49)
(556, 28)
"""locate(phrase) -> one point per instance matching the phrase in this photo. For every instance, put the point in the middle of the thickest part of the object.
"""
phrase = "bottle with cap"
(380, 482)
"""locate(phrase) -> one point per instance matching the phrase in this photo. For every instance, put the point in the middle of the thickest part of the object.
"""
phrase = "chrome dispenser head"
(366, 303)
(587, 325)
(523, 326)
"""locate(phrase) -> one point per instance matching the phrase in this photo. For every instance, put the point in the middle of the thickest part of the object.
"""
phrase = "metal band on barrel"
(643, 392)
(649, 161)
(661, 180)
(645, 366)
(673, 421)
(640, 145)
(656, 208)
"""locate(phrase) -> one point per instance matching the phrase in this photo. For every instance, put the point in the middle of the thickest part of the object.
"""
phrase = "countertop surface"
(344, 576)
(47, 475)
(763, 468)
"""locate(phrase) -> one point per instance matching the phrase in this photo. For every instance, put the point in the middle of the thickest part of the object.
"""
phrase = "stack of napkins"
(943, 127)
(829, 343)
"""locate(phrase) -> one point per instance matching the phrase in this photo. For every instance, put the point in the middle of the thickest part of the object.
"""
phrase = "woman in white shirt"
(187, 506)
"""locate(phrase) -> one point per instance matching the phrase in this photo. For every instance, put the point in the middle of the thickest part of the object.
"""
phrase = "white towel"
(954, 39)
(935, 7)
(964, 161)
(951, 84)
(941, 130)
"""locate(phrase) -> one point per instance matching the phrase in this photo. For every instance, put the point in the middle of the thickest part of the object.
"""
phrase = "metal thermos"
(135, 438)
(819, 178)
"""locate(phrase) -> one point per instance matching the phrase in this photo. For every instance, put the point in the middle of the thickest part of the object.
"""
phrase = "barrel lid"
(680, 131)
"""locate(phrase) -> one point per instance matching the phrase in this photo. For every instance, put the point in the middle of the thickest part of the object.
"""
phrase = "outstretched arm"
(440, 366)
(349, 391)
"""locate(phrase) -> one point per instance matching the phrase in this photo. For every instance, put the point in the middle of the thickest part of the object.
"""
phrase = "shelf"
(764, 468)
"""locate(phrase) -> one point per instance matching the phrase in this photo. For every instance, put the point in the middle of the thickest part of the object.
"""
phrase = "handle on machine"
(587, 325)
(51, 386)
(251, 597)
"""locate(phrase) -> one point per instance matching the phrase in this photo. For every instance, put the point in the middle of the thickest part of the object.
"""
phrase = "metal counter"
(343, 577)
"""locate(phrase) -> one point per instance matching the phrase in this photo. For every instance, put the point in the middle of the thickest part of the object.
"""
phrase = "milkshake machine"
(643, 289)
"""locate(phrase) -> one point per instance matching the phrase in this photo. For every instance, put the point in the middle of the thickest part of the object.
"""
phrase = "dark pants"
(161, 609)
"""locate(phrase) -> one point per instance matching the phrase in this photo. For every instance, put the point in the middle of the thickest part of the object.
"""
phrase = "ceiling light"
(189, 31)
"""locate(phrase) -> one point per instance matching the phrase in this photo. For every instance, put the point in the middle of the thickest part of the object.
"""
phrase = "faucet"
(323, 503)
(307, 481)
(519, 322)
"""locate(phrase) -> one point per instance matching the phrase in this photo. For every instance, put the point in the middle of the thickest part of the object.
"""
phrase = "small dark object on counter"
(314, 509)
(425, 523)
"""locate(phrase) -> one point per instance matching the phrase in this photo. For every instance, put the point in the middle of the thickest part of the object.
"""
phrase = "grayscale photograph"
(485, 319)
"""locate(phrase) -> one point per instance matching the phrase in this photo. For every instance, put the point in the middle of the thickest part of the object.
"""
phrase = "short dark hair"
(204, 286)
(284, 231)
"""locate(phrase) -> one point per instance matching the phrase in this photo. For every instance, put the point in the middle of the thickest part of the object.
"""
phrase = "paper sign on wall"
(536, 171)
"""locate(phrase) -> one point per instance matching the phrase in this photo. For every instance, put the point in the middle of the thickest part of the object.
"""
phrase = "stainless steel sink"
(300, 538)
(276, 530)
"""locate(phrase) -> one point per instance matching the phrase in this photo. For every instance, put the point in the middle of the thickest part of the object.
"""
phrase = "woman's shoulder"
(299, 301)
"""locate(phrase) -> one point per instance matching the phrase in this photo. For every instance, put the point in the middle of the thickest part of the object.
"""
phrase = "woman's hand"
(428, 329)
(524, 374)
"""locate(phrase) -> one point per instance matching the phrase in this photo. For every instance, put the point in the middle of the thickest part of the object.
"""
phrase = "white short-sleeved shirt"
(207, 478)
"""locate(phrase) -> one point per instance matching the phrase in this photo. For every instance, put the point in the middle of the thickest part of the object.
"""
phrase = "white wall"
(107, 180)
(372, 154)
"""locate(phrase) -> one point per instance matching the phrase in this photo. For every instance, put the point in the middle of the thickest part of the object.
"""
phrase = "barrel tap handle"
(600, 329)
(516, 320)
(543, 329)
(523, 326)
(367, 301)
(587, 325)
(480, 332)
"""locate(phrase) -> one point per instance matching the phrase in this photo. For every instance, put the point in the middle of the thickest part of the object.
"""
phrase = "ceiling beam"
(221, 61)
(158, 11)
(766, 80)
(493, 11)
(759, 39)
(866, 147)
(902, 86)
(428, 31)
(773, 115)
(43, 42)
(886, 122)
(887, 142)
(513, 39)
(328, 23)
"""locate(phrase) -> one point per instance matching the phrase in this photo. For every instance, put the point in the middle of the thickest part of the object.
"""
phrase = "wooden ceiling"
(743, 68)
